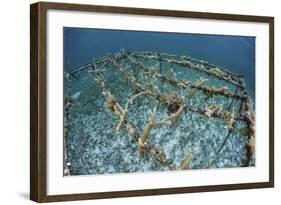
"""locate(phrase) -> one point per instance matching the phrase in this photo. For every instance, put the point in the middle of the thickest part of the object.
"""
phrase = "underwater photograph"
(145, 101)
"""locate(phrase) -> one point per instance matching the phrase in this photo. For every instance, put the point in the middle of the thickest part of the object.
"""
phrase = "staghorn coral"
(151, 84)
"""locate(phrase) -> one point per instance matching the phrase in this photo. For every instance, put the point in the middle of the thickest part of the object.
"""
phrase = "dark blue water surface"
(235, 53)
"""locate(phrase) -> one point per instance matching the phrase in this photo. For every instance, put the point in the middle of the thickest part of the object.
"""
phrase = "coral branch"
(211, 110)
(122, 120)
(231, 119)
(186, 162)
(146, 133)
(130, 101)
(198, 84)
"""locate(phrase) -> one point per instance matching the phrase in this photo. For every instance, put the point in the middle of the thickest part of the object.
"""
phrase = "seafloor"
(94, 146)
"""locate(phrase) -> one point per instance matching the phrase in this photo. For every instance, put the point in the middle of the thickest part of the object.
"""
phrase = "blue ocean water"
(94, 147)
(235, 53)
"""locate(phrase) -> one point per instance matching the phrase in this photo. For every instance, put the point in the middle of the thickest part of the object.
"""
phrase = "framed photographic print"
(134, 102)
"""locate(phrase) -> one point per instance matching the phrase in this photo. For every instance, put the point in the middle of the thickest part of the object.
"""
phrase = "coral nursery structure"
(145, 111)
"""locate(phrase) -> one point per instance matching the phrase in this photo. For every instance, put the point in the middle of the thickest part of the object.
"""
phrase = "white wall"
(14, 102)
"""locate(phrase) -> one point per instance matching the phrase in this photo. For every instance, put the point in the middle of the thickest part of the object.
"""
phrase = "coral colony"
(155, 112)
